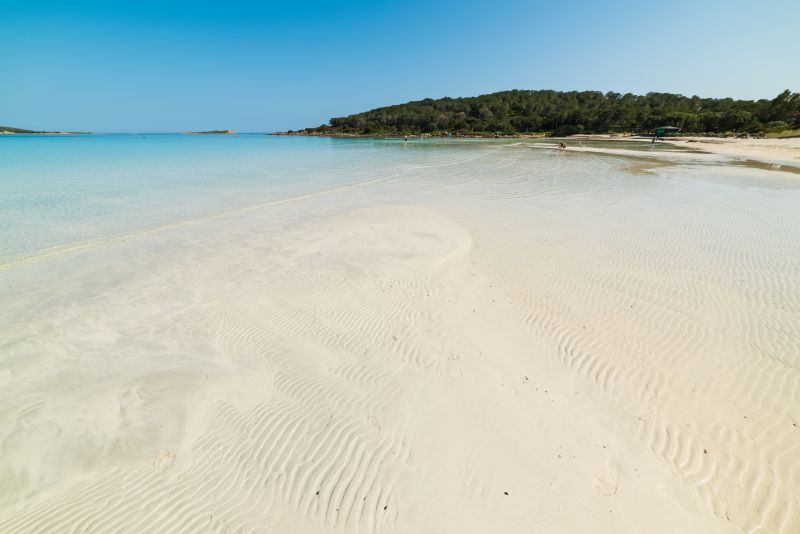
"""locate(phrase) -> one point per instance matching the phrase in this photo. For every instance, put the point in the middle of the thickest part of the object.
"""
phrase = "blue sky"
(263, 66)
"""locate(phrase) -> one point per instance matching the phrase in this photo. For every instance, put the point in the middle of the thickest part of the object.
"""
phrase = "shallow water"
(60, 190)
(57, 190)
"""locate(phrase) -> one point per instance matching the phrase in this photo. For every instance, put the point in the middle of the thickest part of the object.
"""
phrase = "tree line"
(571, 112)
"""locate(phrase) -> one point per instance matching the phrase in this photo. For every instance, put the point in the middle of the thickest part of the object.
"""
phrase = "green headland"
(522, 112)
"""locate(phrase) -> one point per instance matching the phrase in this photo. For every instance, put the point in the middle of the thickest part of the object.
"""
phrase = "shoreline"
(591, 137)
(780, 151)
(768, 150)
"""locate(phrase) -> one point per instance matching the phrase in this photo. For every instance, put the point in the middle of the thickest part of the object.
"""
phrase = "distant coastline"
(212, 132)
(8, 130)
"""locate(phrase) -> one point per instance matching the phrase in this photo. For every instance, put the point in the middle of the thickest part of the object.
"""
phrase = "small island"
(11, 130)
(212, 132)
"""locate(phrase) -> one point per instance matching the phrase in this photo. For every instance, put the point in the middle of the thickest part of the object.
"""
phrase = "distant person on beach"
(562, 146)
(405, 138)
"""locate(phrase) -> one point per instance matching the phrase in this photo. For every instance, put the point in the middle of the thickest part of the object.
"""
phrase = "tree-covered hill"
(566, 113)
(16, 130)
(12, 130)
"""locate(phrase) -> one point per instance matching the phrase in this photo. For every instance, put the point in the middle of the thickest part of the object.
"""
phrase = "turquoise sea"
(58, 190)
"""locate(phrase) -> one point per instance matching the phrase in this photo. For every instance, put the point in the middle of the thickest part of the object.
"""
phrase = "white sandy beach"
(784, 151)
(517, 341)
(759, 149)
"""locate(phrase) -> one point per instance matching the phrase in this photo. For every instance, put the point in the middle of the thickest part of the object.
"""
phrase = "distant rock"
(210, 132)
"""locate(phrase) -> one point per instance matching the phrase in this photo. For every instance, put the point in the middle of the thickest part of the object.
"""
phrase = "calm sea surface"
(58, 191)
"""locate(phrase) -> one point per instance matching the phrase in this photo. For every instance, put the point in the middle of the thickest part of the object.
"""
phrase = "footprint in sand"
(606, 483)
(164, 459)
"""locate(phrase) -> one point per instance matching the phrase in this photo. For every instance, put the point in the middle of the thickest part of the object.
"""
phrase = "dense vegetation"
(16, 130)
(9, 129)
(566, 113)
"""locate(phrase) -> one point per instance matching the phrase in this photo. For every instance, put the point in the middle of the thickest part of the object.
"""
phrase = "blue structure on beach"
(666, 131)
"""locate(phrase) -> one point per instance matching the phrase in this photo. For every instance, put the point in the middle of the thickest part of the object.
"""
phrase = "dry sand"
(768, 150)
(513, 343)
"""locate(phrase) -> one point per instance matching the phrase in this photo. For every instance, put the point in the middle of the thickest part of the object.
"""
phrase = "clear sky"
(150, 66)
